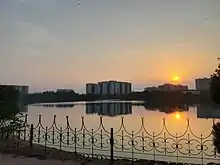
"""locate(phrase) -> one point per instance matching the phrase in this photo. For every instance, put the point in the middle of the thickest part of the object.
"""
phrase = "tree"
(215, 85)
(216, 136)
(215, 94)
(9, 110)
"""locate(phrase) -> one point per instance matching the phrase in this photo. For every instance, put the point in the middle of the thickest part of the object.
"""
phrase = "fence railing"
(117, 144)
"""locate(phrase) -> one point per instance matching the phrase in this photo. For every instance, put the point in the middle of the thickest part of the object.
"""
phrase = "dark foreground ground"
(36, 155)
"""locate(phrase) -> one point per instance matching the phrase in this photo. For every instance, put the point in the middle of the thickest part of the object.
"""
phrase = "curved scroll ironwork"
(137, 144)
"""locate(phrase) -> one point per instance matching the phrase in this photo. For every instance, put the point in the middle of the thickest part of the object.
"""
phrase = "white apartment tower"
(108, 88)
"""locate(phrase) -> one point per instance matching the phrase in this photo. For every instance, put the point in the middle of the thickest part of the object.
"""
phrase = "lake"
(172, 133)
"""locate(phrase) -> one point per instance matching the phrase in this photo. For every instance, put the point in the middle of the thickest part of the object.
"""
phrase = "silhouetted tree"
(215, 94)
(8, 94)
(9, 110)
(216, 136)
(215, 85)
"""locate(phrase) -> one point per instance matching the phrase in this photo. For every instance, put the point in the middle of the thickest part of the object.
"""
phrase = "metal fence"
(117, 144)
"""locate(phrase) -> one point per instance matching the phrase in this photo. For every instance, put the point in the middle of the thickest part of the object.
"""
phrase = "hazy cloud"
(52, 43)
(38, 39)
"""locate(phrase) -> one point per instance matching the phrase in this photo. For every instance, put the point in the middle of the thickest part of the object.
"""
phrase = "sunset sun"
(176, 78)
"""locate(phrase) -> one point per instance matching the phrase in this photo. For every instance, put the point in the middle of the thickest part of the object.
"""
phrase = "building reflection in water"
(208, 111)
(64, 105)
(109, 109)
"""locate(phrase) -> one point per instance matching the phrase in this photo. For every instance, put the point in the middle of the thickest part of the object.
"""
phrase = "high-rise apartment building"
(112, 85)
(128, 88)
(90, 88)
(97, 89)
(124, 88)
(117, 88)
(104, 86)
(108, 88)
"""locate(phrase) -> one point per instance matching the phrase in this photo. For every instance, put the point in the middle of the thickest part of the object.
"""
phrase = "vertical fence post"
(202, 149)
(92, 144)
(31, 135)
(1, 134)
(132, 149)
(45, 143)
(75, 141)
(7, 133)
(18, 138)
(112, 146)
(13, 132)
(154, 148)
(61, 138)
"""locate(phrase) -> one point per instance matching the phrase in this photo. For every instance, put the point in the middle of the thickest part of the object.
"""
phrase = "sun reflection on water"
(177, 115)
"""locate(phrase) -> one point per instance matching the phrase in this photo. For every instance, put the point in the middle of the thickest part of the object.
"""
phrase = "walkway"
(9, 160)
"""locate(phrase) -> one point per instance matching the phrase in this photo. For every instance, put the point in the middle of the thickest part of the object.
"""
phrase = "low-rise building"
(171, 87)
(65, 90)
(167, 87)
(203, 84)
(195, 92)
(150, 89)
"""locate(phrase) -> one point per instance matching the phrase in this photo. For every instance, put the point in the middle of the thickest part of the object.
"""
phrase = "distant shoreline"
(150, 97)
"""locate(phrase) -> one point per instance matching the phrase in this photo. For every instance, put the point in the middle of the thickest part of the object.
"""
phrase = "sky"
(49, 44)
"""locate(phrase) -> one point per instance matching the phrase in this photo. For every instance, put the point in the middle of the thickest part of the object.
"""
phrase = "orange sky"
(55, 44)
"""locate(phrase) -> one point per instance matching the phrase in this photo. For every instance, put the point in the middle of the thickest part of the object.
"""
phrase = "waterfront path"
(36, 155)
(9, 160)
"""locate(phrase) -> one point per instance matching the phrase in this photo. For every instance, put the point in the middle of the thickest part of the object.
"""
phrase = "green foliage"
(215, 94)
(215, 85)
(9, 110)
(8, 94)
(51, 96)
(216, 136)
(8, 102)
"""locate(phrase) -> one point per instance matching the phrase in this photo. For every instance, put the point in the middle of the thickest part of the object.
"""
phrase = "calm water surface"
(199, 118)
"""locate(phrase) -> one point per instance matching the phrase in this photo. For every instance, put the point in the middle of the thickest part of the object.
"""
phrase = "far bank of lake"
(163, 98)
